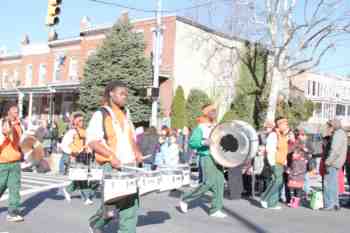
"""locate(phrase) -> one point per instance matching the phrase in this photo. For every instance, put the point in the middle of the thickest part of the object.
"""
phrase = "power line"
(115, 4)
(122, 6)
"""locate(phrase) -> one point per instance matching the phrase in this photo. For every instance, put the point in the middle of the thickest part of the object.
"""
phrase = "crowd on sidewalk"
(282, 168)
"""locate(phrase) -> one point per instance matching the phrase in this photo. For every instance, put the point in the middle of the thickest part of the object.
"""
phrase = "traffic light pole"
(156, 63)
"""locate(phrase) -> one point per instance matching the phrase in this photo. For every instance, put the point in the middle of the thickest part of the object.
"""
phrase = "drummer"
(73, 145)
(10, 156)
(110, 134)
(213, 177)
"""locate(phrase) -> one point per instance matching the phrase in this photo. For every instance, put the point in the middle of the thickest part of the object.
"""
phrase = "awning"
(70, 87)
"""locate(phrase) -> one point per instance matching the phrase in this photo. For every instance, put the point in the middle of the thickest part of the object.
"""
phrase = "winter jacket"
(148, 146)
(338, 151)
(297, 170)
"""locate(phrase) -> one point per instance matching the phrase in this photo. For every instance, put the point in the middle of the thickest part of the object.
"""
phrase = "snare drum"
(171, 179)
(95, 174)
(186, 175)
(78, 172)
(117, 185)
(149, 181)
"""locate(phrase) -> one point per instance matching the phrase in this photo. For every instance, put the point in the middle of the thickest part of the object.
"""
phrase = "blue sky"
(20, 17)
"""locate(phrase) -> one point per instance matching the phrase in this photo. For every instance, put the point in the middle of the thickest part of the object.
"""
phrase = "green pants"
(127, 209)
(10, 178)
(213, 181)
(273, 190)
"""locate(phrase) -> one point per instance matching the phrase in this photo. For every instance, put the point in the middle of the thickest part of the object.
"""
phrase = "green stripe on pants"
(213, 182)
(10, 178)
(127, 209)
(273, 190)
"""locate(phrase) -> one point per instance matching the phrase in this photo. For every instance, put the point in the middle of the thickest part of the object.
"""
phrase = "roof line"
(208, 29)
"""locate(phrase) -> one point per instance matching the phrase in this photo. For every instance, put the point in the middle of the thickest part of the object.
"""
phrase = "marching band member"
(110, 134)
(213, 177)
(73, 145)
(10, 156)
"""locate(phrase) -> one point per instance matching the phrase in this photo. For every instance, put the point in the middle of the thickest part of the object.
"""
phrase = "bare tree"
(297, 34)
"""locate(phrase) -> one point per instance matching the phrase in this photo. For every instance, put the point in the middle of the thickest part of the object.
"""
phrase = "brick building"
(49, 74)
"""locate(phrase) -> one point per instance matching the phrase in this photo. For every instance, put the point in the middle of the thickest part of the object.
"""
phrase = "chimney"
(25, 41)
(52, 35)
(124, 18)
(85, 23)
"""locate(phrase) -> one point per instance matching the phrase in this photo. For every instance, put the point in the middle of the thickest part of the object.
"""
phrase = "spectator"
(149, 146)
(277, 150)
(260, 170)
(333, 163)
(296, 172)
(169, 154)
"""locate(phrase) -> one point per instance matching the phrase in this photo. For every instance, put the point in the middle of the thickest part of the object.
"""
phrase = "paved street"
(48, 212)
(34, 182)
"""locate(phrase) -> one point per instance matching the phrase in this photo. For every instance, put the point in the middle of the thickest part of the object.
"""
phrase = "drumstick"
(133, 168)
(147, 156)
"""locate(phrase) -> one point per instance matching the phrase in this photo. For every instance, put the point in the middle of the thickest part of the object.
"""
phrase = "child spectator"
(296, 172)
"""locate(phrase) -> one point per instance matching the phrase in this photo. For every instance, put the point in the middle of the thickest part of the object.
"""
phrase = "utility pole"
(156, 64)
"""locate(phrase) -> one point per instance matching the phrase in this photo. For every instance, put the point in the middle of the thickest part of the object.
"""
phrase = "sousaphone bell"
(233, 143)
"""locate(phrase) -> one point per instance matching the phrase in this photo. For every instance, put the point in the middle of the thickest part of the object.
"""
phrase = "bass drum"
(233, 143)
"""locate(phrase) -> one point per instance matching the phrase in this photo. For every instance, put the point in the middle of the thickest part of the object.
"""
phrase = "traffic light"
(53, 11)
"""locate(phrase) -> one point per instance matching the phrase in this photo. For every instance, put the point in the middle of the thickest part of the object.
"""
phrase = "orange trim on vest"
(111, 135)
(10, 150)
(78, 142)
(282, 148)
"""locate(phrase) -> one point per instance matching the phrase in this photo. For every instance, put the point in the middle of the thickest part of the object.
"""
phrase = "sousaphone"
(233, 143)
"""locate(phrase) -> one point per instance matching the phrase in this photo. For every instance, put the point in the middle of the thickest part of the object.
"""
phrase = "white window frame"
(57, 66)
(73, 72)
(5, 79)
(29, 75)
(42, 73)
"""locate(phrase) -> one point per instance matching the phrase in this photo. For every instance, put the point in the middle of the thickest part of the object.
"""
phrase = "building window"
(73, 69)
(313, 88)
(340, 110)
(5, 80)
(59, 62)
(2, 78)
(29, 75)
(16, 81)
(318, 110)
(42, 74)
